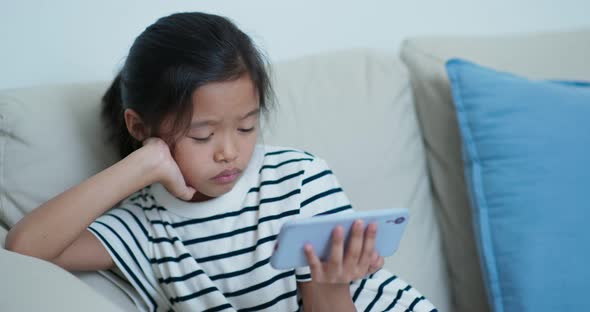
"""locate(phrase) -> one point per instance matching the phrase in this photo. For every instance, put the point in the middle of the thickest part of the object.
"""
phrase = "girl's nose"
(227, 153)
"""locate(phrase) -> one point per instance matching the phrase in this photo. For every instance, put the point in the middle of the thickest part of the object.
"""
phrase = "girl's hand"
(359, 260)
(167, 170)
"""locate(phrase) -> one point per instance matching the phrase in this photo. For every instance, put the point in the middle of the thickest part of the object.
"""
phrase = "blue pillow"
(526, 148)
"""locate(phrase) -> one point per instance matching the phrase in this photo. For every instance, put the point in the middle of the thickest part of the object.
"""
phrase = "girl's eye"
(246, 130)
(202, 140)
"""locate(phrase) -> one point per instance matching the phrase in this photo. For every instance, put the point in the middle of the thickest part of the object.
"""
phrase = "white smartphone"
(288, 251)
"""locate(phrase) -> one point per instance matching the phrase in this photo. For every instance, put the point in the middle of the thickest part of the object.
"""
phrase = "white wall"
(67, 41)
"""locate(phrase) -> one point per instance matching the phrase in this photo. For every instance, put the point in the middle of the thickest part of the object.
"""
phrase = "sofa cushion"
(51, 140)
(30, 284)
(558, 55)
(526, 145)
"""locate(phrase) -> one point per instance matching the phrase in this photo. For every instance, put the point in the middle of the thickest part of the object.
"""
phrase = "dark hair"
(168, 61)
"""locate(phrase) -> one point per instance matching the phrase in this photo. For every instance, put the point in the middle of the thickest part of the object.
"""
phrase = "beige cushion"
(30, 284)
(551, 55)
(51, 140)
(111, 290)
(355, 110)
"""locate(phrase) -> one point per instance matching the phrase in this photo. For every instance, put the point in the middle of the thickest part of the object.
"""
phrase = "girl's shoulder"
(281, 160)
(272, 152)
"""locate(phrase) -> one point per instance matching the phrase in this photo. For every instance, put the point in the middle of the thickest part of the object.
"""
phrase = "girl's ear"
(135, 125)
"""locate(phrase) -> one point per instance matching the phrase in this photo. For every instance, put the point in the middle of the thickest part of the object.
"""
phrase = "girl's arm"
(56, 231)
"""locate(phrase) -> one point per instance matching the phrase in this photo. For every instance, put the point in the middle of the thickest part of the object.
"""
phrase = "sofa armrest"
(30, 284)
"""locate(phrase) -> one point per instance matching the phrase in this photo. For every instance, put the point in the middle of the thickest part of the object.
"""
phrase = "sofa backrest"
(355, 109)
(51, 140)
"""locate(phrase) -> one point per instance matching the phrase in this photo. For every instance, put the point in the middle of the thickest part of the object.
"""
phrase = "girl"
(190, 214)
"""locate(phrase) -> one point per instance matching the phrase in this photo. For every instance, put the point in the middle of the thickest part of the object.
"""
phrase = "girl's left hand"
(359, 260)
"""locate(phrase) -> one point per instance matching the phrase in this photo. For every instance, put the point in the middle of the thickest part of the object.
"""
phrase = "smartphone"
(288, 250)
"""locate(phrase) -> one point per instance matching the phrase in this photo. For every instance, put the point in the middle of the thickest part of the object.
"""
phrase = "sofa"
(384, 121)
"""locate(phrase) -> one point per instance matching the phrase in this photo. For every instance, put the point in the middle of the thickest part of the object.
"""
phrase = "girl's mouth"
(227, 176)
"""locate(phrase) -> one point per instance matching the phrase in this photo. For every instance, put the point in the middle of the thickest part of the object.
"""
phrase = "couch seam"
(409, 45)
(2, 164)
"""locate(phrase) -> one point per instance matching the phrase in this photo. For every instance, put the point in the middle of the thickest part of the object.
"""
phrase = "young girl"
(190, 214)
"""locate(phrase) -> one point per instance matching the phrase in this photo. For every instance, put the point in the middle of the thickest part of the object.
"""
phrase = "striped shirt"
(215, 255)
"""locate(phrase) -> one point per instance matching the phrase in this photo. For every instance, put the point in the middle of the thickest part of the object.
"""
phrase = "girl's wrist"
(330, 287)
(148, 163)
(329, 296)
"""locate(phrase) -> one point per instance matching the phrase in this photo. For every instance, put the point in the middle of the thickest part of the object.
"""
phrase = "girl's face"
(218, 146)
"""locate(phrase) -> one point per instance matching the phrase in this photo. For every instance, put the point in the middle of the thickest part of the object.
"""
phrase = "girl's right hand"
(167, 170)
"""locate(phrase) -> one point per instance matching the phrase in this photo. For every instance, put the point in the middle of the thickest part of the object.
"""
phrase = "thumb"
(188, 193)
(377, 263)
(148, 141)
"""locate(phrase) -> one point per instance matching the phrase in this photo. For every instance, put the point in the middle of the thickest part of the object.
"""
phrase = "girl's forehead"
(232, 97)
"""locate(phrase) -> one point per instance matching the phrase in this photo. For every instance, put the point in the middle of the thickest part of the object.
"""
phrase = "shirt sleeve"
(125, 233)
(321, 194)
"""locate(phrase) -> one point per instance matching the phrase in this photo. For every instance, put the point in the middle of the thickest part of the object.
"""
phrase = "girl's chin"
(218, 190)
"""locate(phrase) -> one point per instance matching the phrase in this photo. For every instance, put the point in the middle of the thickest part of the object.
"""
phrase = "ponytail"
(113, 117)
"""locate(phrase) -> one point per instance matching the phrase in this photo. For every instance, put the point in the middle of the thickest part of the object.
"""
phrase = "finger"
(355, 243)
(313, 261)
(148, 140)
(188, 193)
(376, 264)
(154, 139)
(375, 258)
(183, 190)
(337, 249)
(368, 245)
